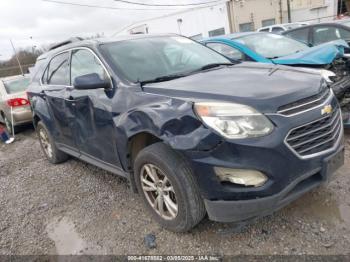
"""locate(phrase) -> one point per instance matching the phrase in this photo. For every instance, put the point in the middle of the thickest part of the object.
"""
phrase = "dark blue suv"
(193, 132)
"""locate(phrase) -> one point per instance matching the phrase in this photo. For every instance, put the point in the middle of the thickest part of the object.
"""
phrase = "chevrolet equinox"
(193, 132)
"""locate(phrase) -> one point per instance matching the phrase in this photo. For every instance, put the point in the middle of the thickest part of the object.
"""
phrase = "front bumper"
(240, 210)
(289, 175)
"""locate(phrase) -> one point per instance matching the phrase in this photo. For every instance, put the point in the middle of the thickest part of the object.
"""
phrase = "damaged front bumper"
(289, 175)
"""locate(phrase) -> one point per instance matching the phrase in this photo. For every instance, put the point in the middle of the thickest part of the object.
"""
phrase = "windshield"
(144, 59)
(271, 45)
(16, 85)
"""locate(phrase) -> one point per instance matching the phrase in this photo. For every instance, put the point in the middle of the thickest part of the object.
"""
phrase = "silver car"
(14, 104)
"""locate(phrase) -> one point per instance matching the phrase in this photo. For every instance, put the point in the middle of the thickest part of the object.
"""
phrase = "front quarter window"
(84, 62)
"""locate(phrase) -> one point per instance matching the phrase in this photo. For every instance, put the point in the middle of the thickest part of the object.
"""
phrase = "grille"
(316, 136)
(305, 104)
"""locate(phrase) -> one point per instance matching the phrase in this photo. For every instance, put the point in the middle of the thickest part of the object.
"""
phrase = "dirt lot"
(75, 208)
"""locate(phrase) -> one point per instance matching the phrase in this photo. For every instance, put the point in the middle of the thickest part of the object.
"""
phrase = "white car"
(279, 28)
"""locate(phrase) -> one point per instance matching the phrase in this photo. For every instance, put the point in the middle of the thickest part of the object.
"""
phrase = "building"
(312, 11)
(235, 16)
(197, 22)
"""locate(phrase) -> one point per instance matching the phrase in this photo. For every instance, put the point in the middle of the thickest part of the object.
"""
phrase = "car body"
(13, 98)
(279, 28)
(321, 33)
(344, 21)
(181, 122)
(327, 58)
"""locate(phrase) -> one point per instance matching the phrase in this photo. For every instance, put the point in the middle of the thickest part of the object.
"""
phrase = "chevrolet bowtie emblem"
(328, 109)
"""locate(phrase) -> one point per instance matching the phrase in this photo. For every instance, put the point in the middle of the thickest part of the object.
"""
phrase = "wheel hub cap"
(159, 191)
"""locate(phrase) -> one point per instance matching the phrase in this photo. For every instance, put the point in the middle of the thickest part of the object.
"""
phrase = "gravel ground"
(76, 208)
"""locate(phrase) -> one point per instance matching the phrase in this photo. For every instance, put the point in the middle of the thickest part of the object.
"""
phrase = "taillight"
(17, 102)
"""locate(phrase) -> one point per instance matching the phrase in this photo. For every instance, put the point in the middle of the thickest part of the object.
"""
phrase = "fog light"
(241, 176)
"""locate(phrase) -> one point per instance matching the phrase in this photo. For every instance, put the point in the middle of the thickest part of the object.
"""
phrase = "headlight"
(327, 75)
(233, 121)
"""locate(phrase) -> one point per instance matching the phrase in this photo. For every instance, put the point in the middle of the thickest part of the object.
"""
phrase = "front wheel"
(52, 153)
(169, 190)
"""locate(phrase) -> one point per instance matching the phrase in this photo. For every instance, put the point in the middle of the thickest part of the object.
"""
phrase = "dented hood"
(262, 86)
(318, 55)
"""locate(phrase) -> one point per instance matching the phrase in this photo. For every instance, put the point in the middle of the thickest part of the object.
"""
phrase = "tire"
(171, 167)
(52, 153)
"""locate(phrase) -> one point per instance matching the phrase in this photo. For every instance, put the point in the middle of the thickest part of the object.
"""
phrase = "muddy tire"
(168, 188)
(52, 153)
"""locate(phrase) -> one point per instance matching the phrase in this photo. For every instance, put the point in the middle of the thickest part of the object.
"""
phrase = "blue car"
(326, 58)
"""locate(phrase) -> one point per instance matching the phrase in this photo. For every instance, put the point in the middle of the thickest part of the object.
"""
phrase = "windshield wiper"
(209, 66)
(175, 76)
(162, 79)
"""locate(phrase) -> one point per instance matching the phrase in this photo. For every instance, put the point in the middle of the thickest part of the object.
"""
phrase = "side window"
(58, 70)
(324, 34)
(301, 35)
(264, 29)
(227, 51)
(344, 34)
(277, 29)
(84, 62)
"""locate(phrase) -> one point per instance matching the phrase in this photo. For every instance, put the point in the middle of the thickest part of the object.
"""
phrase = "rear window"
(17, 85)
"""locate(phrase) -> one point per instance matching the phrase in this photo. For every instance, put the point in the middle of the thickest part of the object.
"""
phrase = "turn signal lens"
(241, 176)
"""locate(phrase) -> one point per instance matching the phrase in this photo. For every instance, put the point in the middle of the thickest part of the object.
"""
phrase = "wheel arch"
(136, 143)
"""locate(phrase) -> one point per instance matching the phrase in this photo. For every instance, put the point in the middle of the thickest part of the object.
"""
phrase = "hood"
(262, 86)
(318, 55)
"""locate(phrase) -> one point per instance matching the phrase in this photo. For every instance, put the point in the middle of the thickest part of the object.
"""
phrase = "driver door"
(95, 129)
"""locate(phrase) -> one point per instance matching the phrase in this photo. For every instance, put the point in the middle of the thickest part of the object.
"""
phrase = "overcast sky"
(48, 22)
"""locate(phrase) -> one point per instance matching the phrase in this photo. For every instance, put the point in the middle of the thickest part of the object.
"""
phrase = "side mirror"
(90, 81)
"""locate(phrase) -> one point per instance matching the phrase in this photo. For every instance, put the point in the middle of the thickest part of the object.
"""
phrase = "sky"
(38, 23)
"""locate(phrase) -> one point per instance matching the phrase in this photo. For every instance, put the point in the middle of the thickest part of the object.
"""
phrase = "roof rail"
(66, 42)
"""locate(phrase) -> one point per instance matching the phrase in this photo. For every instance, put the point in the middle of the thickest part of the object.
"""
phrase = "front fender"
(170, 120)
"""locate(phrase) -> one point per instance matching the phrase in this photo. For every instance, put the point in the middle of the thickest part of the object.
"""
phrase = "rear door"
(95, 129)
(56, 87)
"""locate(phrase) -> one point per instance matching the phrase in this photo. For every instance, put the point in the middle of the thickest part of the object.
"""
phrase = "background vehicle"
(193, 132)
(317, 34)
(279, 28)
(327, 58)
(13, 95)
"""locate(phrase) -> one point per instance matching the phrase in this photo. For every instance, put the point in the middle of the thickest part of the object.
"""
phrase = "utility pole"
(289, 12)
(19, 64)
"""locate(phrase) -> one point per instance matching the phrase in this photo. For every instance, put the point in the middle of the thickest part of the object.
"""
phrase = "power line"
(145, 4)
(106, 7)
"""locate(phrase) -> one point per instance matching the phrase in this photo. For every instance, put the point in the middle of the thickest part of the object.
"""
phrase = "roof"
(9, 78)
(235, 35)
(97, 41)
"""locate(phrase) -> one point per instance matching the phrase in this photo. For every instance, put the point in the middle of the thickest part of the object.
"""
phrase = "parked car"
(344, 21)
(193, 132)
(328, 59)
(279, 28)
(13, 98)
(317, 34)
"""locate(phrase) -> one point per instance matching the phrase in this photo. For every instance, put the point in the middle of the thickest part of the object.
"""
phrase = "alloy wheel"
(44, 139)
(159, 191)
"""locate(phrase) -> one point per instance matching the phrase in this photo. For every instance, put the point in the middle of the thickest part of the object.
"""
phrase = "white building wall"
(193, 22)
(313, 11)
